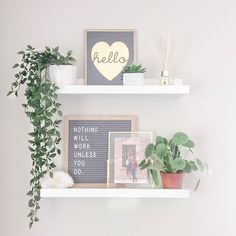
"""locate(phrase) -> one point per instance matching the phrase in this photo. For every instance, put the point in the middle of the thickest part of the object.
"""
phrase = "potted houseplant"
(165, 159)
(61, 71)
(133, 74)
(43, 111)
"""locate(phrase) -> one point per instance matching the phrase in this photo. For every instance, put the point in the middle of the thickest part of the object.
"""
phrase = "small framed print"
(126, 151)
(107, 52)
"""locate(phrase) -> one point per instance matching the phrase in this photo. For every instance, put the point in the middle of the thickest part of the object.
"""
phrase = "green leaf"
(155, 178)
(161, 149)
(31, 203)
(194, 167)
(29, 193)
(187, 168)
(21, 52)
(149, 150)
(180, 138)
(159, 139)
(16, 65)
(37, 198)
(32, 134)
(52, 165)
(200, 165)
(58, 134)
(58, 122)
(178, 164)
(30, 224)
(189, 144)
(60, 113)
(142, 163)
(31, 149)
(145, 166)
(9, 93)
(30, 214)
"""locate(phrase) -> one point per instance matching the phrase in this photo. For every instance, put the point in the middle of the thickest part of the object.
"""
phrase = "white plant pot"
(63, 74)
(133, 79)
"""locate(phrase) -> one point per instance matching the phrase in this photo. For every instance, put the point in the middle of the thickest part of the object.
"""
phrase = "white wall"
(204, 52)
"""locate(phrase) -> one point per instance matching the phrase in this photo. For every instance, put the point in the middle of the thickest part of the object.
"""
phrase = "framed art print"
(107, 52)
(126, 151)
(86, 146)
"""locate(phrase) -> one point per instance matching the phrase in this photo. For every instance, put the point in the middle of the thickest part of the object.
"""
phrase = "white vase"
(63, 75)
(135, 79)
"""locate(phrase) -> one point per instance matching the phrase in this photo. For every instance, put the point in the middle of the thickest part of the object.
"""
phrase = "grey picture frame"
(92, 36)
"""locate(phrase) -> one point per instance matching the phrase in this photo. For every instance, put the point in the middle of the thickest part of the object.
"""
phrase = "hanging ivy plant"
(43, 111)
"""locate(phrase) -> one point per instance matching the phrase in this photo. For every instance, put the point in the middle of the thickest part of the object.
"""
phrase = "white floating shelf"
(145, 89)
(114, 193)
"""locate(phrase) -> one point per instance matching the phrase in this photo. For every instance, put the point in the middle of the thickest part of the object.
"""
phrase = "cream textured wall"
(204, 55)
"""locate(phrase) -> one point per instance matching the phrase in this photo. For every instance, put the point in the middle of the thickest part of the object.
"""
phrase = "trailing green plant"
(133, 68)
(166, 156)
(43, 111)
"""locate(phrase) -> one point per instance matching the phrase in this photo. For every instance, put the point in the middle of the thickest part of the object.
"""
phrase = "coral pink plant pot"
(173, 181)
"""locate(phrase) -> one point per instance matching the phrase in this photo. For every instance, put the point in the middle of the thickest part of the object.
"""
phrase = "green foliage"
(134, 68)
(165, 156)
(42, 110)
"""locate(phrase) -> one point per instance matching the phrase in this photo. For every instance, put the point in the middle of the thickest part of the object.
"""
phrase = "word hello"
(112, 58)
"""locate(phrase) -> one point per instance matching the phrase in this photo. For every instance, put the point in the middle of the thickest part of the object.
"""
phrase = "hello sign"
(106, 53)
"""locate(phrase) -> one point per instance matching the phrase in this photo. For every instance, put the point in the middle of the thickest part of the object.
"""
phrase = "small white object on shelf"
(146, 89)
(133, 79)
(60, 179)
(115, 193)
(178, 81)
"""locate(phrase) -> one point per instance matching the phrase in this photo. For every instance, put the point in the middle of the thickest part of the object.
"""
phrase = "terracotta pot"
(174, 181)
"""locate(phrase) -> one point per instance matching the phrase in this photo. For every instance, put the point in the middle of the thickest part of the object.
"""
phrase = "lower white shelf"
(146, 89)
(114, 193)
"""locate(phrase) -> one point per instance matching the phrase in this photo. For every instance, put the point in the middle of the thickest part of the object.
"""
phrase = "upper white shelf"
(114, 193)
(146, 89)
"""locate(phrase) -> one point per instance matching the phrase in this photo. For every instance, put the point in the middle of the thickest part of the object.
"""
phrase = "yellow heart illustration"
(110, 60)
